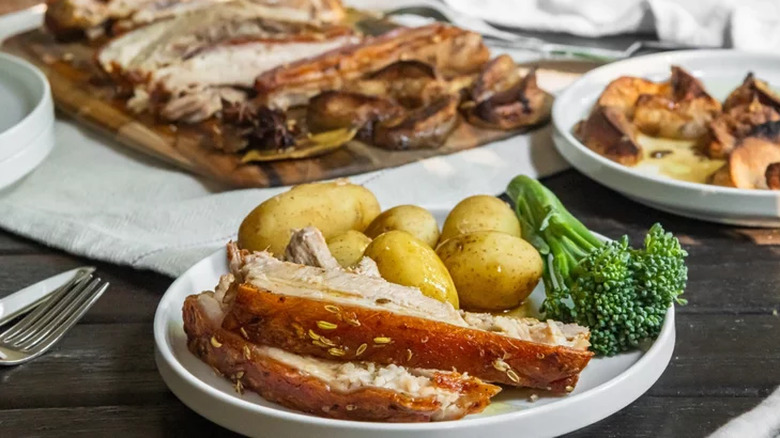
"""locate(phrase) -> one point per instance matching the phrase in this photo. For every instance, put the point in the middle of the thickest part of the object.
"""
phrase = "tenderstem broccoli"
(621, 293)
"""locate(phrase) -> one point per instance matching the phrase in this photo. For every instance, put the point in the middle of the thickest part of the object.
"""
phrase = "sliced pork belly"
(339, 315)
(194, 89)
(184, 68)
(68, 17)
(355, 391)
(139, 53)
(447, 49)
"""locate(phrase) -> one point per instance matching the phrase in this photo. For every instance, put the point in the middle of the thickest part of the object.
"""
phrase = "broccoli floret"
(620, 293)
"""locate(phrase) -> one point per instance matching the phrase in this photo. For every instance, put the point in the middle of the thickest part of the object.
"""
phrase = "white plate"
(26, 108)
(721, 71)
(605, 386)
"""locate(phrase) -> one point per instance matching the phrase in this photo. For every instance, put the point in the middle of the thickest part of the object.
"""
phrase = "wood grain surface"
(82, 91)
(101, 380)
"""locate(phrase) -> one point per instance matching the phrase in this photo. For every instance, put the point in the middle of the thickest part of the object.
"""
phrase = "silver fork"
(40, 329)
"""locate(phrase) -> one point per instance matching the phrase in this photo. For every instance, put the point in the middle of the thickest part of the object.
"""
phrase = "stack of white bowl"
(26, 119)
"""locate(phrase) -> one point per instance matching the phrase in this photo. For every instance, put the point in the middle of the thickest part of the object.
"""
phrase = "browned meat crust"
(446, 48)
(679, 108)
(682, 110)
(750, 161)
(772, 175)
(608, 132)
(342, 109)
(734, 124)
(75, 18)
(521, 105)
(237, 359)
(750, 90)
(424, 127)
(296, 324)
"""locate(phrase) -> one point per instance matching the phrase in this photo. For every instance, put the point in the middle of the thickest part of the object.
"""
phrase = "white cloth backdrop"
(744, 24)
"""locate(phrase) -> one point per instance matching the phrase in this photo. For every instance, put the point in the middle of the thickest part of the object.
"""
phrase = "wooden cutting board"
(80, 91)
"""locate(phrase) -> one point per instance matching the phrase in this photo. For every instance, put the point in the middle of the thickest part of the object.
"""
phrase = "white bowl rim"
(566, 132)
(41, 110)
(166, 353)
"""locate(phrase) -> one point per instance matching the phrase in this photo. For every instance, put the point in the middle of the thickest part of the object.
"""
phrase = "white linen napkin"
(95, 198)
(752, 25)
(763, 421)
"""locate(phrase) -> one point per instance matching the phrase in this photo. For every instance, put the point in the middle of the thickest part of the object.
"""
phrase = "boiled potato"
(480, 213)
(348, 248)
(407, 260)
(491, 270)
(333, 207)
(415, 220)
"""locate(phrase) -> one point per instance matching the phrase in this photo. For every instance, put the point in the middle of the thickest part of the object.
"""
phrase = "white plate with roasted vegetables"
(349, 321)
(696, 133)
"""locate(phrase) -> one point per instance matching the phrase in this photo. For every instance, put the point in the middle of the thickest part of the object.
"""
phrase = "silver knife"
(26, 299)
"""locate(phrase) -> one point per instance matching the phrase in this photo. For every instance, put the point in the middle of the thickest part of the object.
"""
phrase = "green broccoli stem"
(622, 294)
(549, 227)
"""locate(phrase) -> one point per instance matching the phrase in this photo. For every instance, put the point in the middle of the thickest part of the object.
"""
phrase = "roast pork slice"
(138, 54)
(448, 49)
(187, 68)
(353, 390)
(195, 88)
(308, 247)
(319, 312)
(69, 17)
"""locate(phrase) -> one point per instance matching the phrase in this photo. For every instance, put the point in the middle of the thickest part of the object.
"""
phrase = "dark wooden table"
(101, 380)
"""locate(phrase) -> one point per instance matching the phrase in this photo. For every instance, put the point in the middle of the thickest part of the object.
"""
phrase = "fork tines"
(44, 326)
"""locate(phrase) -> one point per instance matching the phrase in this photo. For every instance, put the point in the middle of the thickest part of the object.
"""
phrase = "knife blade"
(26, 299)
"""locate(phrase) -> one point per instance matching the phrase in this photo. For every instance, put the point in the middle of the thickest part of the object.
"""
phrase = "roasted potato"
(491, 270)
(407, 260)
(348, 248)
(415, 220)
(480, 213)
(333, 207)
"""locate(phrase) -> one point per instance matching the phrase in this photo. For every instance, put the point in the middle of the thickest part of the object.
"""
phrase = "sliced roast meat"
(751, 89)
(185, 64)
(734, 124)
(355, 391)
(288, 306)
(308, 247)
(445, 48)
(608, 132)
(69, 18)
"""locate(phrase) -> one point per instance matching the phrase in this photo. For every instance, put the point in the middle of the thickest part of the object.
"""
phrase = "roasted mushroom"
(502, 99)
(608, 132)
(749, 161)
(682, 110)
(497, 75)
(721, 177)
(424, 127)
(750, 90)
(772, 176)
(679, 109)
(623, 93)
(340, 109)
(734, 124)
